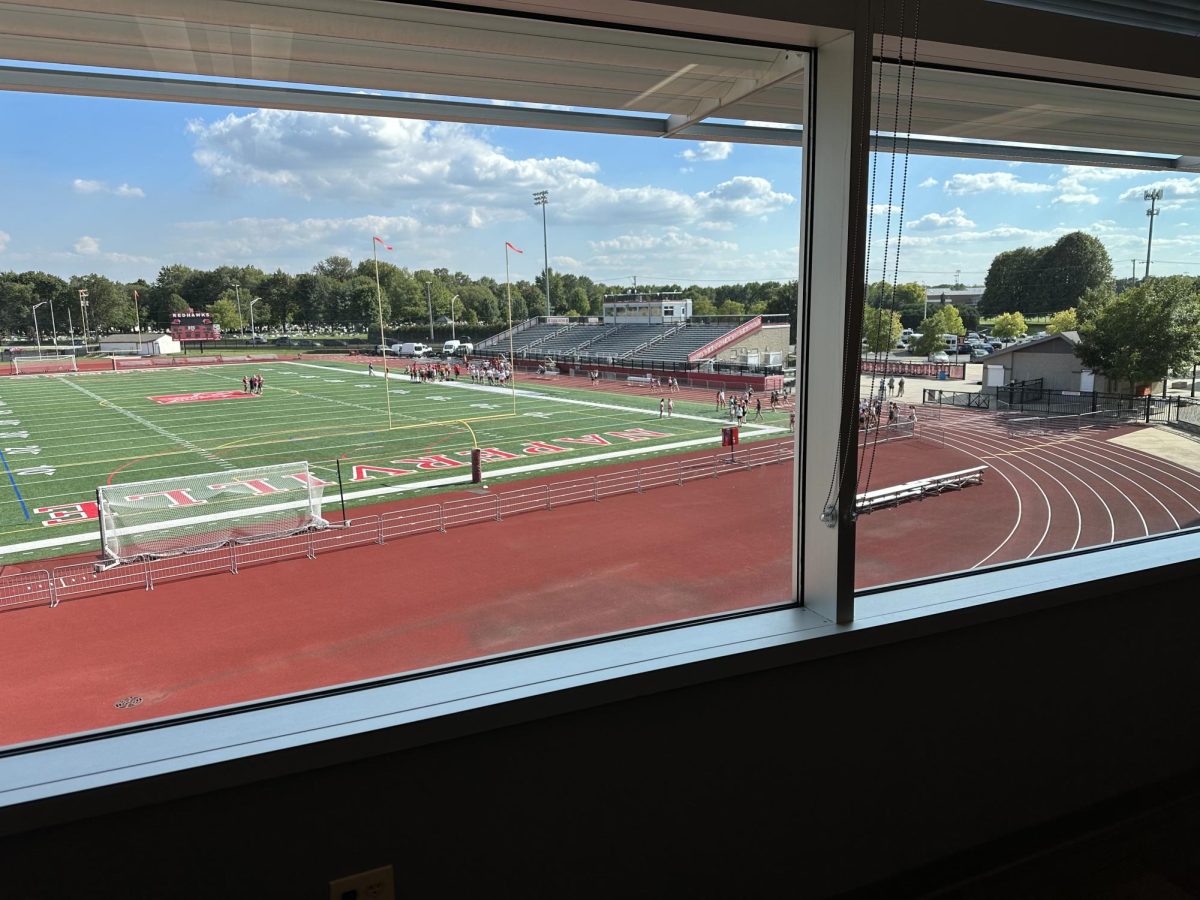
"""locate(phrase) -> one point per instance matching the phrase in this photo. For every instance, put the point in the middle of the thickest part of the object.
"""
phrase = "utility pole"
(429, 300)
(539, 199)
(1153, 197)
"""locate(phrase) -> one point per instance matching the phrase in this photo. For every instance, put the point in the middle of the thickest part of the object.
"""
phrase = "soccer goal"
(190, 513)
(43, 365)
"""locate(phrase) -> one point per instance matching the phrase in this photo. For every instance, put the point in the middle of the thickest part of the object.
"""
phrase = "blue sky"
(123, 187)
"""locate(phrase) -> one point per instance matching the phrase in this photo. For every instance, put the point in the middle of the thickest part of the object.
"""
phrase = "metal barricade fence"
(418, 520)
(26, 589)
(85, 579)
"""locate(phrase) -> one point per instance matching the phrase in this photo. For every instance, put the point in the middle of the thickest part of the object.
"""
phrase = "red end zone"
(201, 396)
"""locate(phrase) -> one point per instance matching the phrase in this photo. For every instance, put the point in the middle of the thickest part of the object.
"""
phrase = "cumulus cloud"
(90, 186)
(1084, 197)
(1077, 183)
(707, 151)
(88, 246)
(929, 182)
(955, 218)
(883, 209)
(447, 171)
(1183, 186)
(250, 237)
(669, 239)
(1001, 182)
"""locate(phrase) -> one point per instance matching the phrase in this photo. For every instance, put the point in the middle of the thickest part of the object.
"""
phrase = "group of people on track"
(252, 384)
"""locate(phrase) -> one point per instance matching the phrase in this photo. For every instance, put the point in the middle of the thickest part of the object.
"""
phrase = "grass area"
(62, 436)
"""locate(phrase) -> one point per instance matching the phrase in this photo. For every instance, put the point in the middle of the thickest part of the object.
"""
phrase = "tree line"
(336, 294)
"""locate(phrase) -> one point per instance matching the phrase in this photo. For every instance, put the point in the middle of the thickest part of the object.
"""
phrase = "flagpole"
(137, 316)
(512, 363)
(387, 393)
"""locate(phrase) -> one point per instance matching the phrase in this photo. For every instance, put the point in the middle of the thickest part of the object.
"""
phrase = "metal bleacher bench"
(919, 489)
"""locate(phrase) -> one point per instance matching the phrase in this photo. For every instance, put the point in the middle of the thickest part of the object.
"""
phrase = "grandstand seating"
(637, 343)
(678, 346)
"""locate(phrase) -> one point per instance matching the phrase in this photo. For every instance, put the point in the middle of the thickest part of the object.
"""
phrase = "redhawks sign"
(194, 327)
(201, 396)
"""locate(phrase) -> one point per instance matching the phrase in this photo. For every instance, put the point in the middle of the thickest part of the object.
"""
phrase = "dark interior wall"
(831, 774)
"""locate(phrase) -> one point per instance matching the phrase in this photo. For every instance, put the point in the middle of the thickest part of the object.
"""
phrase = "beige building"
(1051, 358)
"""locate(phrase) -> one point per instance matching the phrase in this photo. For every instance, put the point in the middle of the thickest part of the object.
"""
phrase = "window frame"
(53, 781)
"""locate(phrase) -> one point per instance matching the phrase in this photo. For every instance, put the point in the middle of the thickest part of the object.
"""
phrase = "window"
(1047, 224)
(338, 204)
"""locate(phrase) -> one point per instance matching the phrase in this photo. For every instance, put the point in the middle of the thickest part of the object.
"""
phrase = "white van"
(410, 349)
(450, 347)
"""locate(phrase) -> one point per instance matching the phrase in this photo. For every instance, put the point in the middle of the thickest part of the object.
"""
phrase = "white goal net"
(189, 513)
(43, 365)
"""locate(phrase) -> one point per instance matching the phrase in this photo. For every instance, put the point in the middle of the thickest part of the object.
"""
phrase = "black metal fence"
(1029, 398)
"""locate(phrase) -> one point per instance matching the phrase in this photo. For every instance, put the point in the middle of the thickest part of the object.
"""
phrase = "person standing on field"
(900, 387)
(245, 385)
(661, 406)
(670, 407)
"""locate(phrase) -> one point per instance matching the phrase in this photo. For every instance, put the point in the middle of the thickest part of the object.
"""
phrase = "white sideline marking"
(182, 442)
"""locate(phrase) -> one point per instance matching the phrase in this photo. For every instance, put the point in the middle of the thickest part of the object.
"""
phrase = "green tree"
(1008, 325)
(225, 314)
(883, 293)
(881, 329)
(945, 321)
(1066, 320)
(1041, 281)
(1141, 335)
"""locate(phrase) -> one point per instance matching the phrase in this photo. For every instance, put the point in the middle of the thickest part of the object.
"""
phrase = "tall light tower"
(237, 290)
(429, 300)
(37, 335)
(539, 199)
(83, 305)
(253, 300)
(1153, 197)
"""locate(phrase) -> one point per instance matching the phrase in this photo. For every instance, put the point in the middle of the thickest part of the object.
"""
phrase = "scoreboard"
(194, 327)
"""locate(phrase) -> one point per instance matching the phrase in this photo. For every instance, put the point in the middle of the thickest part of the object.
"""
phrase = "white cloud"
(883, 209)
(670, 239)
(1002, 182)
(90, 186)
(5, 237)
(1171, 187)
(954, 218)
(707, 151)
(88, 246)
(1090, 199)
(929, 182)
(566, 262)
(447, 173)
(249, 238)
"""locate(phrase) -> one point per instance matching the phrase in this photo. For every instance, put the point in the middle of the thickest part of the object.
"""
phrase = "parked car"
(980, 353)
(939, 356)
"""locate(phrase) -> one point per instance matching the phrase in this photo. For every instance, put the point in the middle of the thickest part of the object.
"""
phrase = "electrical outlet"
(377, 884)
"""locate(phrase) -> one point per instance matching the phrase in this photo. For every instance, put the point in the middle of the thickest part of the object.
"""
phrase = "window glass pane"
(1028, 375)
(223, 483)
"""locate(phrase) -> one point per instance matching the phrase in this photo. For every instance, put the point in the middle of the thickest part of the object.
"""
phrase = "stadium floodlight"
(540, 198)
(83, 305)
(237, 292)
(1152, 197)
(429, 300)
(37, 335)
(253, 300)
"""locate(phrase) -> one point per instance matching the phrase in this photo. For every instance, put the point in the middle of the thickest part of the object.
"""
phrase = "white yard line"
(182, 442)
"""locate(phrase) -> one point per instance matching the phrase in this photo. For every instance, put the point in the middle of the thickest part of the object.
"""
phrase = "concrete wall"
(768, 339)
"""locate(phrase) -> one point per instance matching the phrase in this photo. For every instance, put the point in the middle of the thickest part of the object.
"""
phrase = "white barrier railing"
(78, 580)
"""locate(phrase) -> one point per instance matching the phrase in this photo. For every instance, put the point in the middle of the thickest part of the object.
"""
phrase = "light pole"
(83, 304)
(37, 334)
(539, 199)
(429, 300)
(253, 300)
(452, 299)
(1153, 197)
(237, 292)
(53, 327)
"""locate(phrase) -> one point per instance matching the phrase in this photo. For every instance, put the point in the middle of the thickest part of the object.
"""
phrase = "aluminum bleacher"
(626, 340)
(687, 340)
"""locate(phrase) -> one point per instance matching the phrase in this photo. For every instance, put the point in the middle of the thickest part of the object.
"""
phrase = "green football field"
(63, 436)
